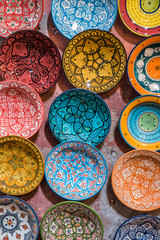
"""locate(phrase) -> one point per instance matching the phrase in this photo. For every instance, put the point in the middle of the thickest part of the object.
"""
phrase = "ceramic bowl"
(73, 17)
(141, 17)
(71, 220)
(140, 122)
(31, 57)
(139, 227)
(17, 219)
(79, 115)
(135, 180)
(17, 15)
(75, 170)
(21, 165)
(21, 109)
(143, 66)
(94, 60)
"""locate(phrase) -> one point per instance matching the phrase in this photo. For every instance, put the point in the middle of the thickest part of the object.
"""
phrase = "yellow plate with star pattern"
(21, 165)
(94, 60)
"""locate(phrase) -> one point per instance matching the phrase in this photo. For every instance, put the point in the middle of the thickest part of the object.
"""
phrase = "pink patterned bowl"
(21, 109)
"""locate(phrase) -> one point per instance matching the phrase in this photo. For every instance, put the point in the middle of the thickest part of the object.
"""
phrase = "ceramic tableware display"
(31, 57)
(139, 227)
(140, 16)
(140, 122)
(79, 115)
(21, 109)
(17, 219)
(94, 60)
(17, 15)
(21, 165)
(73, 17)
(135, 180)
(144, 66)
(71, 220)
(75, 170)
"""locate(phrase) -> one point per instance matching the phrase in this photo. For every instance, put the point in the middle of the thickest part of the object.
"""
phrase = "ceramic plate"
(21, 165)
(17, 219)
(140, 16)
(139, 227)
(17, 15)
(140, 122)
(79, 115)
(144, 66)
(135, 180)
(75, 170)
(31, 57)
(94, 60)
(21, 109)
(71, 220)
(73, 17)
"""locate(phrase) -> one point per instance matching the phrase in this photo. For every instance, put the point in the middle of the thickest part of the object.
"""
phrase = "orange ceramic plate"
(21, 165)
(94, 60)
(144, 66)
(140, 123)
(135, 180)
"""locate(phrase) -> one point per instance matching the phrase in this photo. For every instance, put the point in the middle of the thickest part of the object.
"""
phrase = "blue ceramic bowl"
(79, 115)
(141, 227)
(75, 170)
(73, 17)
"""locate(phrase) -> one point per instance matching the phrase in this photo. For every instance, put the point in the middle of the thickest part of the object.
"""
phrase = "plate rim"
(84, 143)
(112, 179)
(123, 59)
(76, 203)
(23, 201)
(32, 90)
(15, 137)
(129, 219)
(148, 146)
(90, 92)
(142, 91)
(69, 38)
(132, 30)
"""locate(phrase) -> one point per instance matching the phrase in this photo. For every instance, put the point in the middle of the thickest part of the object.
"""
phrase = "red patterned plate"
(17, 14)
(31, 57)
(21, 109)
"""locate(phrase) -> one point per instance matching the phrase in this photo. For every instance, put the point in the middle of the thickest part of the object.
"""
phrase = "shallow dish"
(17, 15)
(143, 66)
(75, 170)
(73, 17)
(21, 165)
(140, 122)
(71, 220)
(18, 220)
(135, 180)
(94, 60)
(139, 227)
(21, 109)
(140, 16)
(31, 57)
(79, 115)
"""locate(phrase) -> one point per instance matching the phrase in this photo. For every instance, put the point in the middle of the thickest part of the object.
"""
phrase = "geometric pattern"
(94, 60)
(136, 180)
(31, 57)
(73, 17)
(75, 170)
(17, 15)
(21, 109)
(18, 220)
(139, 227)
(21, 166)
(71, 220)
(79, 115)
